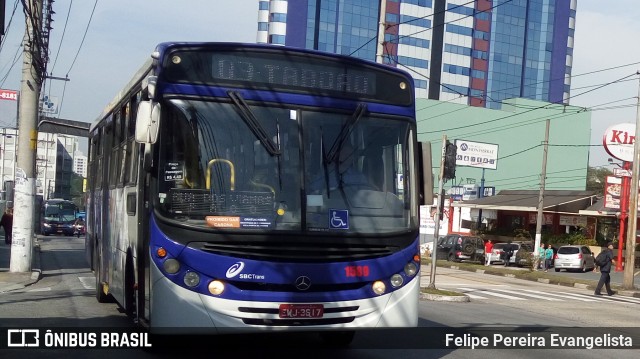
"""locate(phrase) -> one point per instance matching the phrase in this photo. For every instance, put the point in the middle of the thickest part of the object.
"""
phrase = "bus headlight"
(410, 269)
(396, 280)
(216, 287)
(191, 279)
(379, 287)
(171, 266)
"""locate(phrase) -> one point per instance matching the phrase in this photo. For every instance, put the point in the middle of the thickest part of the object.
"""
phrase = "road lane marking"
(46, 289)
(88, 282)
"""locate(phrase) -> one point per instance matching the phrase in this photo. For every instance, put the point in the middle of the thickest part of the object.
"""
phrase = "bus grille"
(297, 322)
(291, 252)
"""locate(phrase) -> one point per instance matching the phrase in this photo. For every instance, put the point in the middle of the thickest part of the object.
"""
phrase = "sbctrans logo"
(23, 338)
(235, 269)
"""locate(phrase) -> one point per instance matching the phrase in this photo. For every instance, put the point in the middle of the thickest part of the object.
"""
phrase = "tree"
(77, 195)
(596, 179)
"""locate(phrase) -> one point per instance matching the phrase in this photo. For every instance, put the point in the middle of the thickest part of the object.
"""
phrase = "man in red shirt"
(488, 247)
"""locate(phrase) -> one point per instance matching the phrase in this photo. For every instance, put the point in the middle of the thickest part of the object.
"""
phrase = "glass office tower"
(473, 52)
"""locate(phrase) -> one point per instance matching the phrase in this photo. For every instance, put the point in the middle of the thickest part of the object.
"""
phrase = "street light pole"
(543, 176)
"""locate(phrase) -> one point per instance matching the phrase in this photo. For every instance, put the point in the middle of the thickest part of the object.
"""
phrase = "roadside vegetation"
(436, 291)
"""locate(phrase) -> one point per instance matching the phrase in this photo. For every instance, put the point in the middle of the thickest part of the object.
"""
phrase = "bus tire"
(129, 290)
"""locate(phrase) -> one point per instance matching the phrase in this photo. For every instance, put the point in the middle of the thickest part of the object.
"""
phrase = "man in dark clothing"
(605, 279)
(508, 253)
(7, 224)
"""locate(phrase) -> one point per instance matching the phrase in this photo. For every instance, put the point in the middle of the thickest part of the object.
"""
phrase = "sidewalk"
(11, 281)
(525, 274)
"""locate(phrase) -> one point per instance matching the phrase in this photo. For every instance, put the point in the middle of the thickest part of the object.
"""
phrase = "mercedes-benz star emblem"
(303, 283)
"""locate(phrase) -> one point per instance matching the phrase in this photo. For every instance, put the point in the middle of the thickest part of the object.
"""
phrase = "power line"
(86, 30)
(64, 31)
(83, 37)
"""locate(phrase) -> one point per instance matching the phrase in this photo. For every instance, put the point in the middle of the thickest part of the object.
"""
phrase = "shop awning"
(527, 200)
(598, 209)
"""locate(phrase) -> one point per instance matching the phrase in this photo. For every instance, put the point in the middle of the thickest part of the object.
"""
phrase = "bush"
(572, 238)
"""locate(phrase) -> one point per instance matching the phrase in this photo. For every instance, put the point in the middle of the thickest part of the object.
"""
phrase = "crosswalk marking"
(610, 298)
(531, 295)
(485, 292)
(569, 296)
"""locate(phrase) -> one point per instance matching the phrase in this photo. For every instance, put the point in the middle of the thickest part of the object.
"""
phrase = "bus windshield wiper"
(346, 130)
(251, 121)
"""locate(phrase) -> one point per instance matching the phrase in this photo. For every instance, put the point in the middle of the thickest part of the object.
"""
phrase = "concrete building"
(54, 162)
(80, 163)
(469, 52)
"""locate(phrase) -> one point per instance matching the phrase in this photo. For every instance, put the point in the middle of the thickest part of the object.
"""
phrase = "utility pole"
(436, 229)
(630, 255)
(22, 242)
(543, 176)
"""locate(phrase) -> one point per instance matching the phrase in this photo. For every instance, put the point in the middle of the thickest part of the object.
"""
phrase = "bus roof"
(163, 47)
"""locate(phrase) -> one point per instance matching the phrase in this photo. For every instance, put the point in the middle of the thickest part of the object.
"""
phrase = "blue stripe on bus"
(263, 273)
(291, 99)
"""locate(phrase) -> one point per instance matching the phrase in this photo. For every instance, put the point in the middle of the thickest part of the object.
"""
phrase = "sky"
(101, 52)
(100, 44)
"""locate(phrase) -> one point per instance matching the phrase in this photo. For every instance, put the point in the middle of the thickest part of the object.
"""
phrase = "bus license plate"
(301, 310)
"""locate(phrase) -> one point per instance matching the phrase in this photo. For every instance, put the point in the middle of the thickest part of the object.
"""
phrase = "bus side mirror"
(147, 122)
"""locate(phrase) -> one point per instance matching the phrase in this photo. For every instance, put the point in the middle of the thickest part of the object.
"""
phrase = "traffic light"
(450, 161)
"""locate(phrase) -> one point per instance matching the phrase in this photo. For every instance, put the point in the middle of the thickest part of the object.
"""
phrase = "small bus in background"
(57, 216)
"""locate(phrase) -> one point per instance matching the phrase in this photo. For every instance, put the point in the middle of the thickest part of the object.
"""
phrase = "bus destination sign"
(265, 70)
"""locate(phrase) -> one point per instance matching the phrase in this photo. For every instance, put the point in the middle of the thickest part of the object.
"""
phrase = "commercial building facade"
(54, 162)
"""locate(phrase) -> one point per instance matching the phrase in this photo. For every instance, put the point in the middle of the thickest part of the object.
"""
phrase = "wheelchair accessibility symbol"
(339, 219)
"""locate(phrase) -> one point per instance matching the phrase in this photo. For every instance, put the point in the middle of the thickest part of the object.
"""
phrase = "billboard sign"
(49, 105)
(612, 189)
(10, 95)
(618, 141)
(476, 154)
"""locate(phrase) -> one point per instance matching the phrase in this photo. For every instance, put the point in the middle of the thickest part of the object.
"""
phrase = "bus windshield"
(224, 165)
(60, 212)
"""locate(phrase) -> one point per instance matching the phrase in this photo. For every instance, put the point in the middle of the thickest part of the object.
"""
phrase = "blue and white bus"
(254, 187)
(57, 216)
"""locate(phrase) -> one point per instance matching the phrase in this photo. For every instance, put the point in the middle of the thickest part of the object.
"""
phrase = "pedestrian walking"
(7, 224)
(548, 256)
(488, 248)
(605, 268)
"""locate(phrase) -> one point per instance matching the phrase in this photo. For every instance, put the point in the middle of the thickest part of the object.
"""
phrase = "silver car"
(576, 257)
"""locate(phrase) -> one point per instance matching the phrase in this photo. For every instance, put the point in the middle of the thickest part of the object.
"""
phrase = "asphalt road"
(64, 297)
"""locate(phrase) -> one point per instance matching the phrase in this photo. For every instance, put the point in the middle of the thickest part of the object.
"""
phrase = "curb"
(444, 298)
(591, 286)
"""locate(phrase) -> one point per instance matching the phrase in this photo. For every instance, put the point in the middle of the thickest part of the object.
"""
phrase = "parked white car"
(576, 257)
